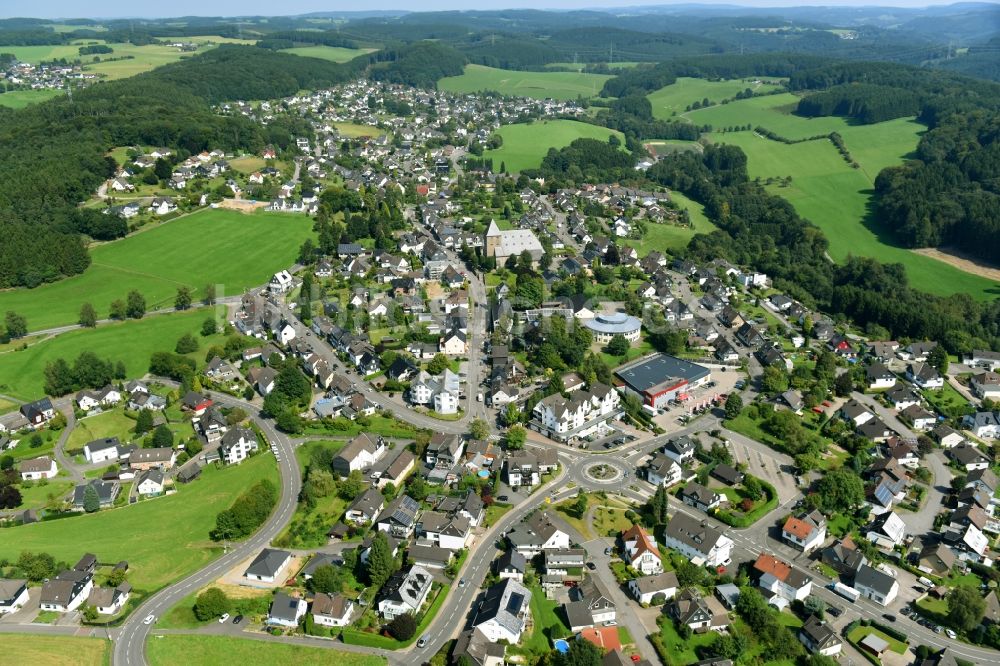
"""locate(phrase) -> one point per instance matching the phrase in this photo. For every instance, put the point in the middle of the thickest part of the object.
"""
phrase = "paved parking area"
(28, 612)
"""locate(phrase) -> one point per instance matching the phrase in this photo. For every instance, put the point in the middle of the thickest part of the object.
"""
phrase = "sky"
(130, 8)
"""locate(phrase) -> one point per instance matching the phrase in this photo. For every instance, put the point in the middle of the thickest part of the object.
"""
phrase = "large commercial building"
(511, 242)
(607, 325)
(659, 378)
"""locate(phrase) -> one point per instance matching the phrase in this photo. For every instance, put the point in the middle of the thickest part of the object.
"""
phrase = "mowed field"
(332, 53)
(524, 145)
(18, 99)
(143, 58)
(827, 191)
(55, 650)
(677, 97)
(212, 246)
(211, 650)
(539, 85)
(132, 342)
(670, 236)
(163, 539)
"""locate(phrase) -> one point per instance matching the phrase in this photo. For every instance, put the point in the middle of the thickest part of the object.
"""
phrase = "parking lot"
(675, 417)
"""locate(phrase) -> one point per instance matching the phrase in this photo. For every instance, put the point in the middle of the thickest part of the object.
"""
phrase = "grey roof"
(321, 560)
(284, 607)
(697, 534)
(506, 602)
(330, 605)
(402, 510)
(407, 586)
(368, 502)
(11, 587)
(268, 562)
(433, 554)
(651, 372)
(511, 559)
(657, 582)
(874, 579)
(819, 634)
(578, 613)
(106, 491)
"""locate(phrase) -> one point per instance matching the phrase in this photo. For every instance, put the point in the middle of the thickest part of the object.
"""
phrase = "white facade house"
(237, 444)
(268, 566)
(332, 610)
(698, 540)
(37, 468)
(101, 450)
(13, 595)
(876, 585)
(648, 589)
(404, 592)
(664, 471)
(806, 532)
(641, 552)
(580, 415)
(281, 282)
(784, 582)
(286, 611)
(66, 592)
(504, 612)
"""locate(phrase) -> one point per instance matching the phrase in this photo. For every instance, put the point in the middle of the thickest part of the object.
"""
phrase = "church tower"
(493, 235)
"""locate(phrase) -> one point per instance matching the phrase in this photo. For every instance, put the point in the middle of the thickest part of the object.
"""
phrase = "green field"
(212, 650)
(332, 53)
(212, 246)
(539, 85)
(353, 130)
(37, 496)
(675, 98)
(18, 99)
(524, 145)
(112, 423)
(55, 650)
(132, 342)
(162, 539)
(670, 236)
(829, 192)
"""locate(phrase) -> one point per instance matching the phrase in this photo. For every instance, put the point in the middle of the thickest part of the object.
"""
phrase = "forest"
(950, 195)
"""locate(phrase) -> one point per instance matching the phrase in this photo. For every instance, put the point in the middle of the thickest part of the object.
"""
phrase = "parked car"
(951, 633)
(889, 616)
(237, 619)
(591, 566)
(423, 641)
(225, 616)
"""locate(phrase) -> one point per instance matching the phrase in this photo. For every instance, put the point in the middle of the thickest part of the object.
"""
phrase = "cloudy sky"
(130, 8)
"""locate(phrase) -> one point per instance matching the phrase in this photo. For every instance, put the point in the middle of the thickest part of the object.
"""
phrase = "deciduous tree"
(88, 316)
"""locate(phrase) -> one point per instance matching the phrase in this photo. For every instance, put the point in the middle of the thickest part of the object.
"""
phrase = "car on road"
(503, 498)
(938, 629)
(607, 551)
(611, 623)
(636, 658)
(225, 616)
(591, 566)
(150, 619)
(835, 611)
(951, 633)
(238, 619)
(461, 583)
(423, 641)
(889, 616)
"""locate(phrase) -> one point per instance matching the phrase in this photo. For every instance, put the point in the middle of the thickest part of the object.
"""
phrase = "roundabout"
(602, 472)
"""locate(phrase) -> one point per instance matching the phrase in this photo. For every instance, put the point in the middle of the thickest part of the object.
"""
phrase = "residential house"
(365, 507)
(879, 377)
(937, 558)
(806, 531)
(781, 582)
(150, 483)
(404, 592)
(698, 540)
(67, 591)
(107, 493)
(399, 518)
(110, 600)
(985, 425)
(819, 638)
(887, 530)
(536, 534)
(664, 471)
(969, 457)
(38, 413)
(237, 444)
(332, 610)
(429, 557)
(844, 556)
(876, 585)
(924, 376)
(141, 460)
(360, 453)
(13, 594)
(580, 415)
(696, 495)
(511, 564)
(268, 566)
(37, 468)
(641, 552)
(504, 612)
(680, 449)
(689, 608)
(449, 532)
(985, 385)
(286, 611)
(103, 450)
(654, 590)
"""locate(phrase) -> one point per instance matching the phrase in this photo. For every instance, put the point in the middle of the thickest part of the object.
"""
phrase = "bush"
(211, 603)
(403, 627)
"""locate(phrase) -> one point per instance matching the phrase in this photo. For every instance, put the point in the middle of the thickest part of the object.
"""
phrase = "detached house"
(365, 508)
(689, 608)
(924, 375)
(641, 552)
(698, 541)
(269, 565)
(286, 611)
(37, 468)
(876, 585)
(537, 534)
(819, 638)
(504, 612)
(237, 444)
(332, 610)
(361, 453)
(404, 592)
(13, 595)
(696, 495)
(654, 589)
(807, 531)
(781, 582)
(67, 591)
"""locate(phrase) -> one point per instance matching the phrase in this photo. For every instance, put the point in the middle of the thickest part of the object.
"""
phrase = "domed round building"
(607, 325)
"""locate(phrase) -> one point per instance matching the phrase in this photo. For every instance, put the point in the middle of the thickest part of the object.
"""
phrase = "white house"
(986, 385)
(807, 531)
(37, 468)
(580, 415)
(440, 529)
(887, 530)
(785, 583)
(67, 591)
(664, 471)
(876, 585)
(360, 453)
(110, 600)
(237, 444)
(641, 552)
(268, 566)
(404, 592)
(332, 610)
(504, 612)
(281, 282)
(150, 483)
(698, 540)
(102, 450)
(820, 638)
(13, 594)
(648, 589)
(286, 611)
(537, 534)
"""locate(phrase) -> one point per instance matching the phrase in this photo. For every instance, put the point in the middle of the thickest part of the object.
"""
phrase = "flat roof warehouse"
(659, 374)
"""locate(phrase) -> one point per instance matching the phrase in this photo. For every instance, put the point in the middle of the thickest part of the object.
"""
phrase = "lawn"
(682, 651)
(304, 452)
(495, 512)
(566, 512)
(675, 98)
(214, 246)
(858, 633)
(610, 521)
(211, 650)
(132, 342)
(55, 650)
(162, 539)
(525, 144)
(948, 401)
(332, 53)
(539, 85)
(377, 424)
(113, 423)
(354, 130)
(671, 236)
(548, 625)
(247, 163)
(18, 99)
(37, 495)
(826, 190)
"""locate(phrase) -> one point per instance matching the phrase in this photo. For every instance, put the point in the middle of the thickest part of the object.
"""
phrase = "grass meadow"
(163, 539)
(332, 53)
(212, 246)
(539, 85)
(671, 236)
(675, 98)
(132, 342)
(212, 650)
(524, 145)
(18, 99)
(55, 650)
